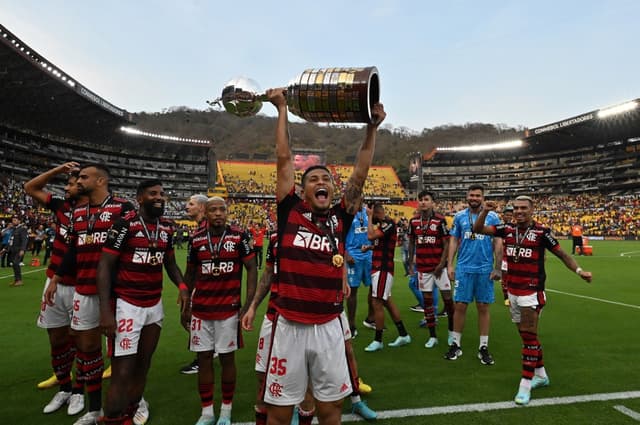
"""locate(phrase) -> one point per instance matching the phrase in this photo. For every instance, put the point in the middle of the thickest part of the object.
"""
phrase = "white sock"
(525, 384)
(208, 411)
(541, 372)
(456, 336)
(355, 399)
(225, 410)
(484, 341)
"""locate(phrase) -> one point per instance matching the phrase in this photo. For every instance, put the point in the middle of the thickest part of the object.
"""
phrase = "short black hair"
(310, 169)
(98, 166)
(426, 192)
(144, 184)
(476, 186)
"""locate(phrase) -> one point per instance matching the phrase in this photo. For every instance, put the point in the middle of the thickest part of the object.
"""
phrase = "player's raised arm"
(478, 226)
(284, 161)
(355, 183)
(35, 186)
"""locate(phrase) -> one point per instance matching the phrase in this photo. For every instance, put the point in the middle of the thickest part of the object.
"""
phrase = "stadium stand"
(584, 169)
(258, 179)
(594, 152)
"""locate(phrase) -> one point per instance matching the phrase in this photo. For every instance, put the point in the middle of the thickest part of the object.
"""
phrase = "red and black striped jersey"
(428, 235)
(91, 224)
(384, 248)
(218, 261)
(524, 251)
(142, 248)
(270, 260)
(309, 284)
(62, 211)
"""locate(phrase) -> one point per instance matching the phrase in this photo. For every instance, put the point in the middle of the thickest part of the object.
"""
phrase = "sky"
(517, 63)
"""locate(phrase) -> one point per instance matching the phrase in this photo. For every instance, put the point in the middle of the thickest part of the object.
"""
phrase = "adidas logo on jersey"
(139, 234)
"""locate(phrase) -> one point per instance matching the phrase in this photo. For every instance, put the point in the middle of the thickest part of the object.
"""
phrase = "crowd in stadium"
(599, 214)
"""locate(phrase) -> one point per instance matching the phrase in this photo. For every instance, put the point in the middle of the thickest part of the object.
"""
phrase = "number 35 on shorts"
(278, 366)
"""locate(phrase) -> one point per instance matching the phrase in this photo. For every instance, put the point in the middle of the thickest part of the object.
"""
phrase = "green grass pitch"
(589, 334)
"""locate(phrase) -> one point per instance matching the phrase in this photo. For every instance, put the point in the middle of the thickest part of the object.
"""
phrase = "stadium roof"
(616, 123)
(37, 95)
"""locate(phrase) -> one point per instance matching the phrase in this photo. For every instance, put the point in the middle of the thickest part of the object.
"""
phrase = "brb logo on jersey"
(143, 256)
(513, 251)
(426, 240)
(96, 237)
(216, 268)
(306, 239)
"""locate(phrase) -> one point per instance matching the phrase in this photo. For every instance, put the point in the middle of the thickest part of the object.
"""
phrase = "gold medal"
(88, 239)
(215, 271)
(153, 260)
(337, 260)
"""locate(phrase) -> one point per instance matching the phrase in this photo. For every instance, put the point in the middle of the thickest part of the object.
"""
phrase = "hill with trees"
(252, 138)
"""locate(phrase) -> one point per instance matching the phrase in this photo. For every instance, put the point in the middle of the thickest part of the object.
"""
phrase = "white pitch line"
(29, 272)
(593, 298)
(630, 413)
(485, 407)
(622, 254)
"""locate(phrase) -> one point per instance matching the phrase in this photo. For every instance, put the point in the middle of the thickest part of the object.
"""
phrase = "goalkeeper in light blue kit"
(478, 264)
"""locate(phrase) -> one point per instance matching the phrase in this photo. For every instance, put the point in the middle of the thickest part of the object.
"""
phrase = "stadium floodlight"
(486, 147)
(618, 109)
(135, 132)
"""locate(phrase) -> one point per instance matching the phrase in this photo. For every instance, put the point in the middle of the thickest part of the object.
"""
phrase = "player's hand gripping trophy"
(317, 95)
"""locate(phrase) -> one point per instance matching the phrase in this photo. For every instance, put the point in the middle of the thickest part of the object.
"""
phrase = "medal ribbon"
(91, 218)
(215, 253)
(471, 223)
(328, 232)
(422, 225)
(519, 242)
(153, 243)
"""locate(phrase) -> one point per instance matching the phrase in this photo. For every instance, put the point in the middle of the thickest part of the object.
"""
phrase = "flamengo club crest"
(229, 246)
(125, 344)
(275, 389)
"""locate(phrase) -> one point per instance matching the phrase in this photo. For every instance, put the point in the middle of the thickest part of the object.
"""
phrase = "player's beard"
(474, 204)
(153, 210)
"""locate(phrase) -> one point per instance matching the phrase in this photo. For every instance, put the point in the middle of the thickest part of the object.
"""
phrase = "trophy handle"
(264, 98)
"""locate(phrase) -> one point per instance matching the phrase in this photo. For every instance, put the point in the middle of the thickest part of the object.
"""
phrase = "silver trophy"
(317, 95)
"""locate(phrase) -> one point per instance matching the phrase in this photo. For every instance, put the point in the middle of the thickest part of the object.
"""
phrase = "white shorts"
(130, 319)
(59, 314)
(381, 284)
(346, 330)
(264, 345)
(303, 353)
(86, 312)
(536, 301)
(220, 336)
(427, 280)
